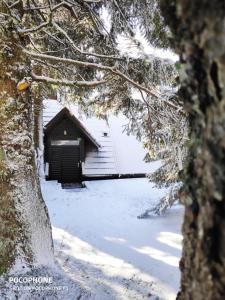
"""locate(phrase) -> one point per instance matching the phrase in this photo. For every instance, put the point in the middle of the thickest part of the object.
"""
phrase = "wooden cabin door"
(70, 164)
(65, 165)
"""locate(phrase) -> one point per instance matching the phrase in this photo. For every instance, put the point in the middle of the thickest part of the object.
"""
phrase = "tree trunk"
(199, 38)
(25, 229)
(38, 129)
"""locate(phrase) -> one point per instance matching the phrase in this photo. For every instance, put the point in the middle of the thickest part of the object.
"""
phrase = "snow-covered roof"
(119, 154)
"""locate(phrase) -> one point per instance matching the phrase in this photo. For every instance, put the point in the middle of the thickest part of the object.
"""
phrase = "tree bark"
(25, 231)
(198, 29)
(38, 129)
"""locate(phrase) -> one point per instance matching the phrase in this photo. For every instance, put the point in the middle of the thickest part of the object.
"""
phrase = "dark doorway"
(70, 164)
(65, 164)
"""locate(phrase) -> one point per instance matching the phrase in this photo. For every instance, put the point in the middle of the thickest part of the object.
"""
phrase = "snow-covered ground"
(105, 249)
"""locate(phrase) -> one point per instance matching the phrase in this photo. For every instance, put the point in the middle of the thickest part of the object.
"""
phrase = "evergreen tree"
(23, 215)
(68, 43)
(198, 37)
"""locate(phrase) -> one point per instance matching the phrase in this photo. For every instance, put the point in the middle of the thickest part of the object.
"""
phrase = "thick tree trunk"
(25, 231)
(199, 38)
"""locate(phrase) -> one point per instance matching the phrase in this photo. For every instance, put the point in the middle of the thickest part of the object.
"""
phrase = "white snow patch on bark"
(31, 211)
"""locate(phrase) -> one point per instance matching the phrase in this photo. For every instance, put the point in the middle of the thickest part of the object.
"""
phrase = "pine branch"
(83, 83)
(83, 64)
(73, 46)
(34, 29)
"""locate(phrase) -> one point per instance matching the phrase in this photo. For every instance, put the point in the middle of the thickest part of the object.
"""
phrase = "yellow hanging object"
(24, 84)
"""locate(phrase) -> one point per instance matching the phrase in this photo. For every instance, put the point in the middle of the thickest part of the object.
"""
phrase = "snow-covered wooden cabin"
(79, 148)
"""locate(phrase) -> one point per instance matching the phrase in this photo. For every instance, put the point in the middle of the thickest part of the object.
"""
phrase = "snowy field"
(105, 249)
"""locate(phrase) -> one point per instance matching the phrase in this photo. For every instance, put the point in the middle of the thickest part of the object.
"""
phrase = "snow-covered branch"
(87, 84)
(85, 64)
(73, 46)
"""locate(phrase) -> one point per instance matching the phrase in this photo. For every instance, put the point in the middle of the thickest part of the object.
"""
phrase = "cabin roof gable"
(65, 112)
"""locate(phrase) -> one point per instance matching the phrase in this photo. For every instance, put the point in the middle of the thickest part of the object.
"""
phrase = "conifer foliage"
(74, 44)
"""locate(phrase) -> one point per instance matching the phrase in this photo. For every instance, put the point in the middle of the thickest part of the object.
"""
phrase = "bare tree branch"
(34, 29)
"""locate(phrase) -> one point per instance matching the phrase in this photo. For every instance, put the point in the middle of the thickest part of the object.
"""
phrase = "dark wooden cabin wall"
(73, 133)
